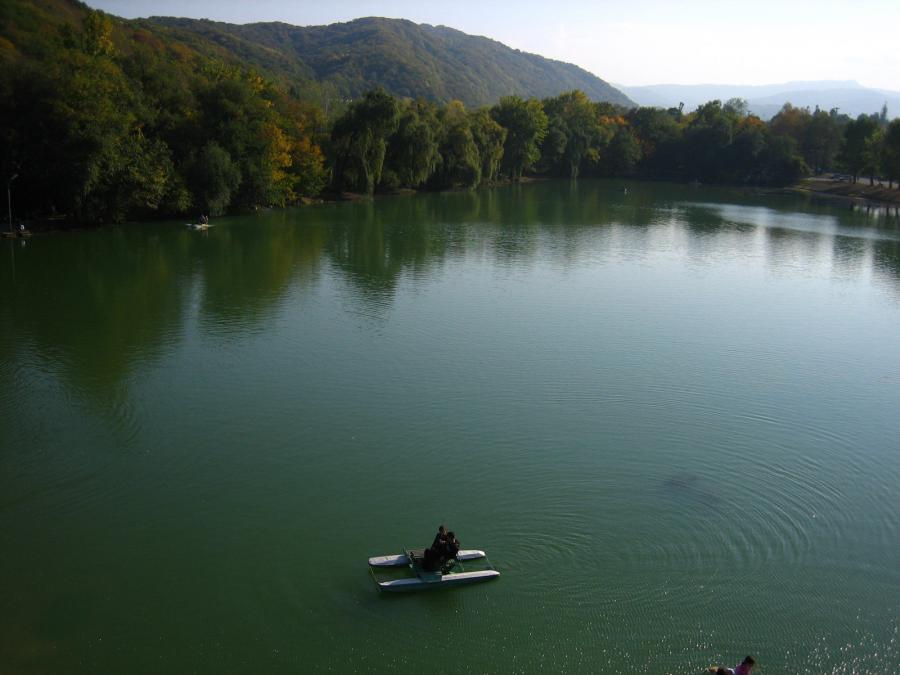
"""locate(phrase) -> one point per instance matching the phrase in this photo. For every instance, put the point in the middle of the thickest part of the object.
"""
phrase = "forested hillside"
(104, 120)
(406, 59)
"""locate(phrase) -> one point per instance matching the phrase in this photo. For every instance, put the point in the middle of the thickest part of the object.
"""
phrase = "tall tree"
(709, 132)
(791, 121)
(526, 126)
(857, 145)
(213, 178)
(489, 138)
(781, 162)
(412, 152)
(822, 141)
(572, 124)
(891, 157)
(659, 136)
(873, 154)
(360, 141)
(459, 164)
(238, 115)
(623, 152)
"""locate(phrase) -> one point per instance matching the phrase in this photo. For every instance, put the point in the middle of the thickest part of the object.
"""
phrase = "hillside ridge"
(407, 59)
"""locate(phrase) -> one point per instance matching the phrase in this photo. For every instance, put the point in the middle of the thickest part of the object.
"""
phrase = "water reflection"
(243, 271)
(91, 306)
(850, 256)
(886, 259)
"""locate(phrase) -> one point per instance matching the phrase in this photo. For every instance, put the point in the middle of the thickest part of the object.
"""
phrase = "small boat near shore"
(21, 233)
(198, 226)
(425, 579)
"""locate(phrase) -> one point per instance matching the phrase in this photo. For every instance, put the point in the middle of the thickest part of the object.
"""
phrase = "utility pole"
(9, 199)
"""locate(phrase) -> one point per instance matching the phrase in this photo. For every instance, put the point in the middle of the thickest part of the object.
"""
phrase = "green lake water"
(671, 417)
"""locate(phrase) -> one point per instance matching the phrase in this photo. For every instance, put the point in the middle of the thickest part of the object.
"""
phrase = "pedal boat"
(424, 579)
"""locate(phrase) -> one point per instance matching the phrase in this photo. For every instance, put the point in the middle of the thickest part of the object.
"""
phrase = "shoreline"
(60, 224)
(856, 194)
(860, 193)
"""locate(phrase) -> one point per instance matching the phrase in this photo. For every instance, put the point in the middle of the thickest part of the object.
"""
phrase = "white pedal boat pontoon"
(403, 559)
(423, 579)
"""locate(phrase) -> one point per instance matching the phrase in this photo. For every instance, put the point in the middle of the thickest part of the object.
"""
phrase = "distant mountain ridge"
(766, 100)
(407, 59)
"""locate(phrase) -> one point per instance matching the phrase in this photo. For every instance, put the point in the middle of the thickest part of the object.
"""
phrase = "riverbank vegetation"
(104, 120)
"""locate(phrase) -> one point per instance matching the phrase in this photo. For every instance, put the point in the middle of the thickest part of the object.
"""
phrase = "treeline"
(384, 143)
(105, 120)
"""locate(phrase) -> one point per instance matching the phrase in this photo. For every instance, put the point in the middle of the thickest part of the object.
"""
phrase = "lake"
(670, 416)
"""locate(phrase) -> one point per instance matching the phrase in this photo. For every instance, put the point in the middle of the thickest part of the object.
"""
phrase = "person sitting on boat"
(439, 539)
(451, 549)
(743, 669)
(434, 556)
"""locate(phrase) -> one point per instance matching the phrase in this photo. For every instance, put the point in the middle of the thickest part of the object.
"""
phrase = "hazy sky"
(644, 42)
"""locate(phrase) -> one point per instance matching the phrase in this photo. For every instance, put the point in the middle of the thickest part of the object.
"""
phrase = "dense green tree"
(213, 178)
(857, 150)
(360, 141)
(237, 115)
(891, 152)
(781, 162)
(623, 153)
(659, 134)
(459, 164)
(822, 140)
(305, 173)
(412, 151)
(83, 108)
(792, 122)
(708, 134)
(97, 34)
(526, 126)
(489, 138)
(818, 135)
(747, 148)
(737, 107)
(873, 155)
(572, 130)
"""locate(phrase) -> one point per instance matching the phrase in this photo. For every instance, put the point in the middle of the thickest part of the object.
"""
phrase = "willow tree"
(891, 159)
(460, 164)
(489, 138)
(526, 126)
(412, 151)
(360, 141)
